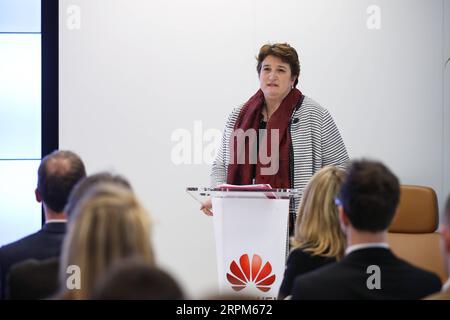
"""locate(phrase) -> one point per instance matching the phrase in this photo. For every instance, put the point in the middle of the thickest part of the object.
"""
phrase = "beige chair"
(412, 234)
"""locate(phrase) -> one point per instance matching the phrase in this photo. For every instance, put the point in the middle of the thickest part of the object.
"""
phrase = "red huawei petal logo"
(244, 273)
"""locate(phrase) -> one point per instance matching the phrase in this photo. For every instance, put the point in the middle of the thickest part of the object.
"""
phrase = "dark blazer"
(33, 279)
(300, 262)
(348, 278)
(45, 243)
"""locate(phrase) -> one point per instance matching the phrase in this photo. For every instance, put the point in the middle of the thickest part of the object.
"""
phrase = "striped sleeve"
(220, 163)
(333, 148)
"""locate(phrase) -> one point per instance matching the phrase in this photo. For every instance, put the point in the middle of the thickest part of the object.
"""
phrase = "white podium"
(251, 232)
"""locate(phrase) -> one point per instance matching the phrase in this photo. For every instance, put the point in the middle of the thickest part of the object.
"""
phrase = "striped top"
(316, 142)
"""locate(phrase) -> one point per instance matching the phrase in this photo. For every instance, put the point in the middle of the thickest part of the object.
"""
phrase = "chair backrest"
(412, 234)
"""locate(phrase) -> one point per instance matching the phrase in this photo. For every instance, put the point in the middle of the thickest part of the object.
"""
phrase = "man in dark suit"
(369, 270)
(38, 279)
(57, 175)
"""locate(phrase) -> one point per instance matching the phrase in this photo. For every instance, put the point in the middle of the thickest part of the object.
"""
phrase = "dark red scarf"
(250, 118)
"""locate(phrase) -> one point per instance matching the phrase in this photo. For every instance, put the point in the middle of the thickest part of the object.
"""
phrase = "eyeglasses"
(337, 201)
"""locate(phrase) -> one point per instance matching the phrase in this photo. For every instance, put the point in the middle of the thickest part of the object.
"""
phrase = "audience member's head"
(317, 228)
(58, 173)
(229, 296)
(109, 224)
(83, 186)
(369, 196)
(136, 279)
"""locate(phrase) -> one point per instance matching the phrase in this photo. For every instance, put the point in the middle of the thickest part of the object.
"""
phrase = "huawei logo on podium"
(243, 274)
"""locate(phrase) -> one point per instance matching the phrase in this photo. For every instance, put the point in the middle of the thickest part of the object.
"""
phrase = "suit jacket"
(350, 278)
(45, 243)
(33, 279)
(300, 262)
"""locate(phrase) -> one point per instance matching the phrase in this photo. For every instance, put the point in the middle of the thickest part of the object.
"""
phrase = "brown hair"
(285, 52)
(87, 183)
(58, 173)
(317, 228)
(370, 195)
(135, 279)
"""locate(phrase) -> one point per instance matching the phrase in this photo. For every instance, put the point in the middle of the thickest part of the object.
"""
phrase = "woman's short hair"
(110, 224)
(285, 52)
(317, 227)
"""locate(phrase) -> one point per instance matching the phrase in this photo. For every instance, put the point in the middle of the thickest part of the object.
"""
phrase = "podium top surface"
(243, 192)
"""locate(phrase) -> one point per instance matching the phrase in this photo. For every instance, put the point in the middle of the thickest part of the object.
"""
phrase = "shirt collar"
(56, 221)
(366, 246)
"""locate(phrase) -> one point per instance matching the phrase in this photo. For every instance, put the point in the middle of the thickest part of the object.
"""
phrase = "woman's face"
(275, 78)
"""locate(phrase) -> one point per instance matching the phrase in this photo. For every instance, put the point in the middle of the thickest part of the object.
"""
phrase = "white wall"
(136, 71)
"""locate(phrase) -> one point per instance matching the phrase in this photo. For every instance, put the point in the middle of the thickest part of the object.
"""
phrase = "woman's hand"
(206, 207)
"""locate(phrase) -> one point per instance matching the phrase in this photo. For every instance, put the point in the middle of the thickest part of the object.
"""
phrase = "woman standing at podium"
(293, 132)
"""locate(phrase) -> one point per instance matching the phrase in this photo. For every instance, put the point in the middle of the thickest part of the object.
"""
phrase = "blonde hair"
(110, 224)
(317, 227)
